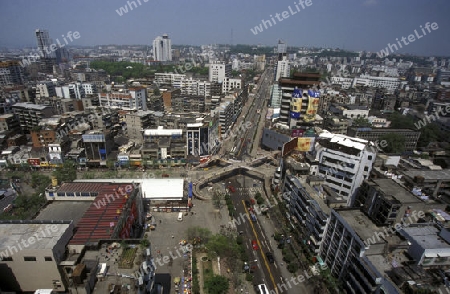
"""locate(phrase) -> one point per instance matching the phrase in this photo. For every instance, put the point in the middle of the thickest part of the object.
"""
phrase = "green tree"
(393, 143)
(429, 133)
(198, 232)
(66, 173)
(361, 122)
(399, 121)
(156, 91)
(217, 284)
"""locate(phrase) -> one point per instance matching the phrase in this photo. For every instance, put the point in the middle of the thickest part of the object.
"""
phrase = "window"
(29, 258)
(7, 258)
(369, 157)
(48, 258)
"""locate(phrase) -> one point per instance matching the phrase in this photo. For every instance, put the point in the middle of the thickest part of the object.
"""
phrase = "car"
(270, 258)
(255, 245)
(231, 189)
(247, 203)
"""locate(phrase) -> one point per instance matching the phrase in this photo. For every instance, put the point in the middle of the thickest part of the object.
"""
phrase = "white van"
(180, 216)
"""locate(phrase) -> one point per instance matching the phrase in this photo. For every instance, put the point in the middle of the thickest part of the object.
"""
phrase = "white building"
(345, 83)
(388, 83)
(169, 79)
(89, 89)
(134, 98)
(216, 72)
(45, 89)
(162, 48)
(283, 69)
(229, 84)
(34, 249)
(344, 162)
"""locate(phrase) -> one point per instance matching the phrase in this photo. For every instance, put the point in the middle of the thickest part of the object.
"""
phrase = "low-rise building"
(30, 255)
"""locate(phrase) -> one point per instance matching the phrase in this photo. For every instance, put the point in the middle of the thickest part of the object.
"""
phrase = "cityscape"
(224, 147)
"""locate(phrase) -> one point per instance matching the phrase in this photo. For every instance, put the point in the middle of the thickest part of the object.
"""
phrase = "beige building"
(30, 253)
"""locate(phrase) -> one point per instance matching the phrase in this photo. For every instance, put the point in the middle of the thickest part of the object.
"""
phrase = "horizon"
(356, 25)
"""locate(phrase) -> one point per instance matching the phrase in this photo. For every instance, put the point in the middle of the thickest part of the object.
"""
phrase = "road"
(261, 230)
(244, 144)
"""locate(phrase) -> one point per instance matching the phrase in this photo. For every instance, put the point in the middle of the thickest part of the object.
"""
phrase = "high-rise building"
(344, 162)
(217, 72)
(162, 48)
(300, 81)
(281, 49)
(43, 42)
(283, 69)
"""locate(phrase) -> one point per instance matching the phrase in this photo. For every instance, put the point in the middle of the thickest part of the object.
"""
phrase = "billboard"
(303, 144)
(34, 161)
(295, 133)
(313, 105)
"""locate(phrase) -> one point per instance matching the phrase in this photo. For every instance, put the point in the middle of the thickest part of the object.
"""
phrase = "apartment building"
(216, 72)
(344, 162)
(375, 135)
(9, 123)
(344, 253)
(33, 249)
(30, 115)
(283, 69)
(336, 125)
(45, 89)
(230, 84)
(288, 85)
(137, 122)
(308, 210)
(385, 202)
(11, 73)
(133, 99)
(163, 144)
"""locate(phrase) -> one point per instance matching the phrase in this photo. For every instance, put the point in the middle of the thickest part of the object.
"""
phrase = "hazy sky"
(349, 24)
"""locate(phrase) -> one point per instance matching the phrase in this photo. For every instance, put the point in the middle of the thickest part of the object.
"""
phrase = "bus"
(262, 289)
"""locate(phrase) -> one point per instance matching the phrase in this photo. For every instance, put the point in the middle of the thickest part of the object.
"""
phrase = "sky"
(348, 24)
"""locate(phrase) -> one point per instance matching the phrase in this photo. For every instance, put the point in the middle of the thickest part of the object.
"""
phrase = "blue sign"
(313, 94)
(297, 93)
(295, 114)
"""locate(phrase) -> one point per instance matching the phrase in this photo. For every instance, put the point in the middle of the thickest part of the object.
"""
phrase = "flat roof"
(156, 189)
(391, 188)
(429, 174)
(162, 132)
(361, 224)
(12, 234)
(31, 106)
(427, 237)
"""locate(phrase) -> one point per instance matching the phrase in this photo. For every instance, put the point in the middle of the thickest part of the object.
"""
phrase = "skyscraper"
(162, 48)
(43, 42)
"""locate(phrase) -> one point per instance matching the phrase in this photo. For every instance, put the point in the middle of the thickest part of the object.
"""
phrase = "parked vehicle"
(255, 245)
(270, 258)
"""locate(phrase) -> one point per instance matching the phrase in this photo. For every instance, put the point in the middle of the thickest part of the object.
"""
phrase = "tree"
(394, 143)
(66, 173)
(399, 121)
(429, 133)
(361, 122)
(197, 232)
(217, 284)
(156, 91)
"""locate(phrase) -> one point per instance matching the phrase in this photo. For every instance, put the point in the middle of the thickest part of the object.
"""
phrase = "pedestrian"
(160, 221)
(173, 236)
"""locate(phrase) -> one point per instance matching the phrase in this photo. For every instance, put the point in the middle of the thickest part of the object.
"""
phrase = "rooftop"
(426, 236)
(49, 233)
(429, 174)
(361, 224)
(394, 190)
